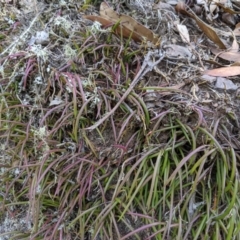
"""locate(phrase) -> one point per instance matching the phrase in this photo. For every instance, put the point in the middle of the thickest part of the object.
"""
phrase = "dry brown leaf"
(229, 19)
(182, 29)
(207, 29)
(126, 26)
(235, 45)
(236, 64)
(227, 9)
(224, 71)
(230, 56)
(212, 7)
(108, 13)
(134, 27)
(213, 63)
(237, 30)
(119, 30)
(105, 22)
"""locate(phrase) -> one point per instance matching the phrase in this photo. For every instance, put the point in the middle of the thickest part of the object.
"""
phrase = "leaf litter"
(139, 103)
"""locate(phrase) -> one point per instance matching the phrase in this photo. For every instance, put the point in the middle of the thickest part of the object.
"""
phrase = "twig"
(147, 66)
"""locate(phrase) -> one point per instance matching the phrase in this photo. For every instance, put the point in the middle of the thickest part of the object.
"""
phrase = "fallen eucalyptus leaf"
(224, 71)
(230, 56)
(237, 29)
(125, 25)
(227, 9)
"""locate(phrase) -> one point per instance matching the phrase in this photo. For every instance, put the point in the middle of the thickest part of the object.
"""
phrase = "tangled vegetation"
(162, 165)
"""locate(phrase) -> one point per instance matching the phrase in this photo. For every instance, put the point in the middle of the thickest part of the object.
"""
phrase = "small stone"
(42, 38)
(224, 83)
(208, 78)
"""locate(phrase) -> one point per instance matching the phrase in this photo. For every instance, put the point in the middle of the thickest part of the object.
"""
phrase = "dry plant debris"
(119, 119)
